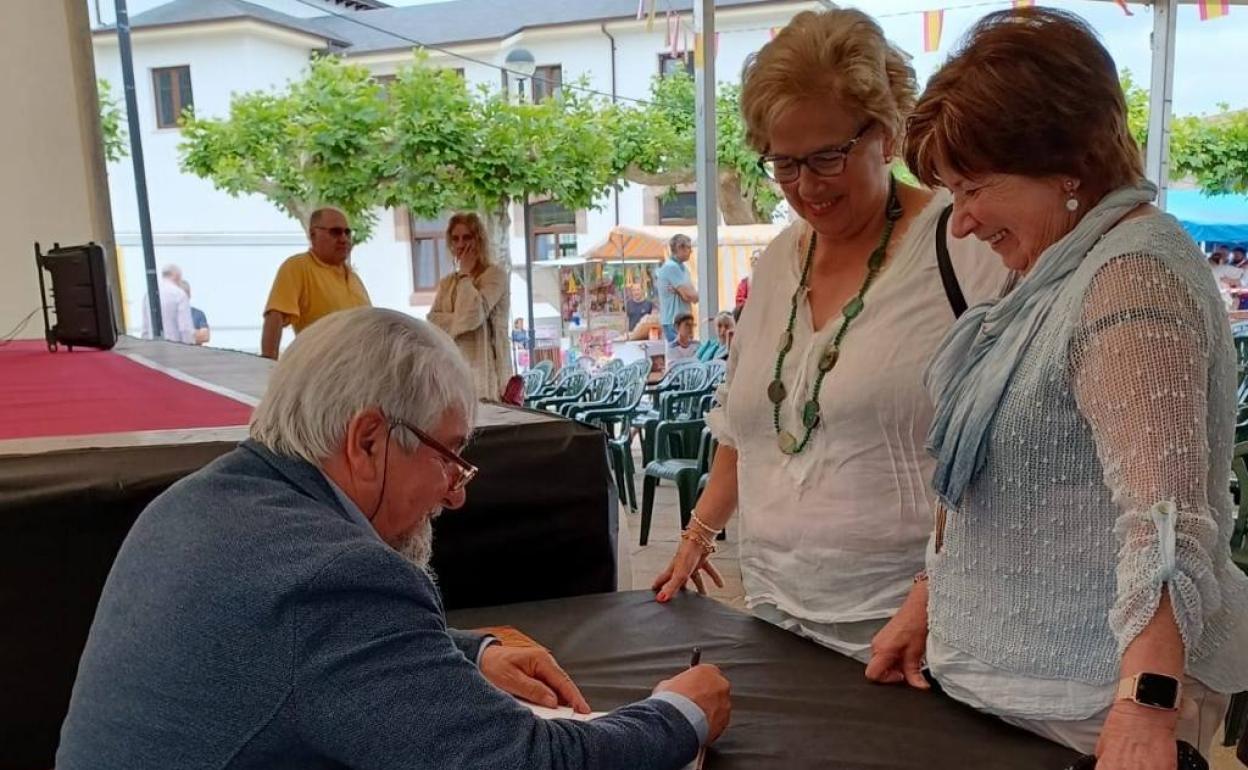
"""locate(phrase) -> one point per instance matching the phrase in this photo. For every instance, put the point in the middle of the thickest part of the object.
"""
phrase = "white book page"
(566, 712)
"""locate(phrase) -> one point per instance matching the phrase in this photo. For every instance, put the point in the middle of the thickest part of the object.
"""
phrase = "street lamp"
(522, 63)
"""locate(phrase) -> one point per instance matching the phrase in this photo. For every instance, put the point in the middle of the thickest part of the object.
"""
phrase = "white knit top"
(1106, 477)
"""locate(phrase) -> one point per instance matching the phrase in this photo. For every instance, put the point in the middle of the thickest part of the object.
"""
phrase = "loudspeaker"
(80, 298)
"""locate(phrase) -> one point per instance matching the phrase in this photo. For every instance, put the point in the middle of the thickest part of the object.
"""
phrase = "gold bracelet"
(707, 546)
(694, 518)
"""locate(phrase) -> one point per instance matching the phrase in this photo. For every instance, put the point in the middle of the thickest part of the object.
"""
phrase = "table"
(795, 704)
(540, 522)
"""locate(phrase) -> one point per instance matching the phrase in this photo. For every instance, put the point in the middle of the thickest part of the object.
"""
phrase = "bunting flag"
(654, 7)
(933, 25)
(1214, 9)
(1024, 3)
(1123, 5)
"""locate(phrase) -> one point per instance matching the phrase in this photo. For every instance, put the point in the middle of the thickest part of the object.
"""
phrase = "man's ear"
(366, 439)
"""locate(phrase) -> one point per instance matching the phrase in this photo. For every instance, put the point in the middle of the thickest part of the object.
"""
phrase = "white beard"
(417, 547)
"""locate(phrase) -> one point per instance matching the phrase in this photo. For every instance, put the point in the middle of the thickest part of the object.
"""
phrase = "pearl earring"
(1072, 203)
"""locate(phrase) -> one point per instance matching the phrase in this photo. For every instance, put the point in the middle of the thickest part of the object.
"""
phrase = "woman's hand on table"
(1136, 737)
(897, 650)
(688, 564)
(532, 674)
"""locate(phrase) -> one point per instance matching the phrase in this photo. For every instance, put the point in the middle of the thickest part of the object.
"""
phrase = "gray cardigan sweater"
(250, 622)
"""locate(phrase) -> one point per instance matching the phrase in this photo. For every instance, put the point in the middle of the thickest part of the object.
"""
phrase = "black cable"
(18, 329)
(385, 470)
(462, 57)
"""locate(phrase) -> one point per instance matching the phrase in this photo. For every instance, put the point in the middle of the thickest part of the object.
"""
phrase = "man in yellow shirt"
(315, 283)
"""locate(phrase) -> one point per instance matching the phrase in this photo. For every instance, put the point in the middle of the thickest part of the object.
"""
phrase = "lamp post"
(522, 63)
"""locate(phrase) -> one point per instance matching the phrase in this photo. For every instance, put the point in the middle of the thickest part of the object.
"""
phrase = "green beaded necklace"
(776, 392)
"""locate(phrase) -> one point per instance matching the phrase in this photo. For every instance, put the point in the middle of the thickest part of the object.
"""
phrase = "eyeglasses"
(464, 470)
(825, 163)
(335, 232)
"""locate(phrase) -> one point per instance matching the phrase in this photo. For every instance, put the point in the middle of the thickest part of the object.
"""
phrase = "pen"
(694, 660)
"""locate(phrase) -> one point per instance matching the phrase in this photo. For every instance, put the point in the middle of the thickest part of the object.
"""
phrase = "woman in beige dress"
(472, 305)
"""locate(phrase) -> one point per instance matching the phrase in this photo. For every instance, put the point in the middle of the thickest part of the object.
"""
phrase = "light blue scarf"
(979, 355)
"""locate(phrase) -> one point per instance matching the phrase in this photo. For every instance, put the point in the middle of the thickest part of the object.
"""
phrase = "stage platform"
(540, 521)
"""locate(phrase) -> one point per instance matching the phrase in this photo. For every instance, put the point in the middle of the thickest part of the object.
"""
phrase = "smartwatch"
(1155, 691)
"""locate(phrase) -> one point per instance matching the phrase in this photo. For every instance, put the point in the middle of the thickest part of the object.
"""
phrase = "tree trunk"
(736, 208)
(498, 228)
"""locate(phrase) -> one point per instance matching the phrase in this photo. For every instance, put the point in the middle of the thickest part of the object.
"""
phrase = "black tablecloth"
(795, 704)
(540, 522)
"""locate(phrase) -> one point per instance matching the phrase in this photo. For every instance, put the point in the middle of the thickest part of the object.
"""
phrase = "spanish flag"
(1214, 9)
(933, 24)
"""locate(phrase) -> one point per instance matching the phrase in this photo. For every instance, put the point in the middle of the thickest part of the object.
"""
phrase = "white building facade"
(200, 52)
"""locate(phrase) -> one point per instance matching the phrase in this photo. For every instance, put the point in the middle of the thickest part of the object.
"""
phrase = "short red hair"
(1030, 91)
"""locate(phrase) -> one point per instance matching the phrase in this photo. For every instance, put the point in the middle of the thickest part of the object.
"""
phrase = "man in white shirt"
(175, 309)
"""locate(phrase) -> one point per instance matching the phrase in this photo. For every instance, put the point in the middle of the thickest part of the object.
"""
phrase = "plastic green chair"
(570, 386)
(677, 402)
(534, 380)
(673, 441)
(616, 423)
(600, 392)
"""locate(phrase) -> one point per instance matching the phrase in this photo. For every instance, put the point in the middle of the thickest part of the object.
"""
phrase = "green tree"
(114, 136)
(1212, 150)
(321, 141)
(655, 145)
(425, 141)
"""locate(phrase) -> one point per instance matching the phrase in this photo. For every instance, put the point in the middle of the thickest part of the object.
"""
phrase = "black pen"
(694, 660)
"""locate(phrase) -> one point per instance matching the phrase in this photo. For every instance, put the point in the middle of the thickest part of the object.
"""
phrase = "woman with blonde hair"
(823, 414)
(472, 305)
(1081, 583)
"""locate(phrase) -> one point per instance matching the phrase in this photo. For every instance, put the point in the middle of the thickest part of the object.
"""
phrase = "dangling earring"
(1072, 203)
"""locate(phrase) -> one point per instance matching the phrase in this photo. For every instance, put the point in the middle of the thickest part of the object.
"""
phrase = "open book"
(566, 712)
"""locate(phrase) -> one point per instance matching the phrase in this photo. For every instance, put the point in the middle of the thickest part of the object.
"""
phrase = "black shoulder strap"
(948, 277)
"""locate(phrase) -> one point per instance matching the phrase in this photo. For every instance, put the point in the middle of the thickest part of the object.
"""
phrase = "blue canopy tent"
(1210, 218)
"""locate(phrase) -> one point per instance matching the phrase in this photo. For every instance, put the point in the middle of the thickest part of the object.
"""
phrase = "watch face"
(1157, 690)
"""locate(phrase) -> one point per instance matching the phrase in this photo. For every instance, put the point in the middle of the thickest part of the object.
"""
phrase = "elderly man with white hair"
(274, 609)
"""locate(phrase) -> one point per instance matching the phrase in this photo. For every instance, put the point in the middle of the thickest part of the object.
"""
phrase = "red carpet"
(93, 391)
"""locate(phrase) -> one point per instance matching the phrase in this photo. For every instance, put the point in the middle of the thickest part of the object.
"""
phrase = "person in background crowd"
(175, 309)
(199, 319)
(1223, 269)
(276, 607)
(684, 346)
(519, 336)
(473, 304)
(676, 293)
(311, 285)
(637, 306)
(1079, 581)
(1238, 257)
(743, 288)
(717, 345)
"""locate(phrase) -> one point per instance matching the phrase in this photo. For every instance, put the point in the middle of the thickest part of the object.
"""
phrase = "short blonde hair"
(485, 249)
(837, 55)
